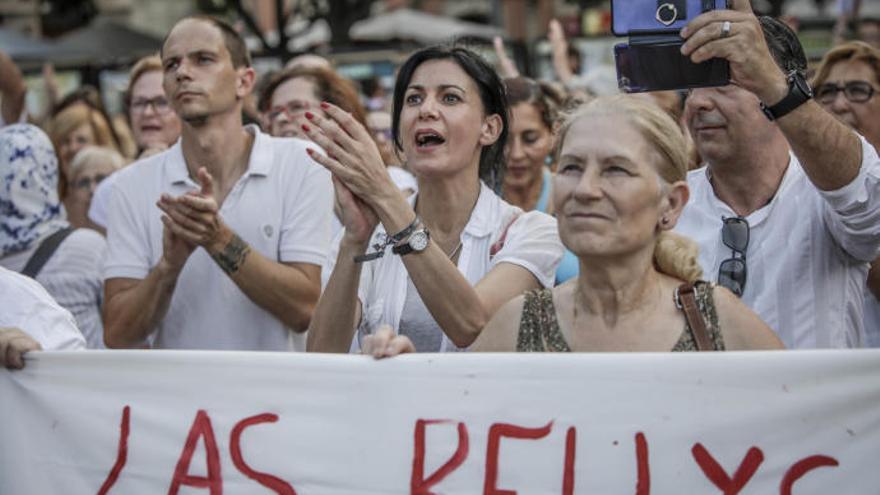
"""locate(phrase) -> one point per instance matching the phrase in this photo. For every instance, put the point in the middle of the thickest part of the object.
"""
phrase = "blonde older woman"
(74, 128)
(619, 190)
(90, 167)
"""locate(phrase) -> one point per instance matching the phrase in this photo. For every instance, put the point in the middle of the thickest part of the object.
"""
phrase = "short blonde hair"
(70, 119)
(674, 255)
(150, 63)
(857, 51)
(92, 154)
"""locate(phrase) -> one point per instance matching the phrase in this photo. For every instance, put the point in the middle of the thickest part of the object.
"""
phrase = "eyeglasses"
(855, 92)
(291, 108)
(87, 182)
(159, 104)
(732, 272)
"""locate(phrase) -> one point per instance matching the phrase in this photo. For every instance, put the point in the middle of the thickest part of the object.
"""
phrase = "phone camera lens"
(667, 13)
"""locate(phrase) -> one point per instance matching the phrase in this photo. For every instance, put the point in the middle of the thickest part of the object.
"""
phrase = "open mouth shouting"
(428, 139)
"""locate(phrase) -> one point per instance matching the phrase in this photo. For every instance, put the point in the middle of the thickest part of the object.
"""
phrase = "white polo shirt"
(808, 254)
(281, 206)
(531, 241)
(27, 306)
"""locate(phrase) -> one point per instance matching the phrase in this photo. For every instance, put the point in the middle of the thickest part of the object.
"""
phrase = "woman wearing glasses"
(154, 124)
(847, 84)
(619, 190)
(294, 91)
(90, 167)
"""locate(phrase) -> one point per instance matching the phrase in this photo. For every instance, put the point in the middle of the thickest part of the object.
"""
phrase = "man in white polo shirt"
(787, 209)
(217, 242)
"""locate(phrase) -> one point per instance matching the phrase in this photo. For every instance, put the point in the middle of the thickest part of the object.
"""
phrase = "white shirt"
(25, 304)
(101, 199)
(281, 206)
(403, 179)
(72, 276)
(807, 259)
(872, 320)
(532, 242)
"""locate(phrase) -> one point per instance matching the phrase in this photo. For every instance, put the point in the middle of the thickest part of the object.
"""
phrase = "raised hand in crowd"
(13, 345)
(506, 66)
(828, 150)
(50, 86)
(559, 52)
(776, 167)
(12, 90)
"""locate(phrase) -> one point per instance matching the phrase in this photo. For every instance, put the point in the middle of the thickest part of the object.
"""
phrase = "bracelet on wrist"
(381, 246)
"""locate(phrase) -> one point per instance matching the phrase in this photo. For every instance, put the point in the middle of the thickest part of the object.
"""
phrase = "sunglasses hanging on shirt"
(732, 271)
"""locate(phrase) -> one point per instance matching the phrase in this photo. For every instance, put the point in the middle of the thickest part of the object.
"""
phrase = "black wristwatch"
(799, 92)
(417, 242)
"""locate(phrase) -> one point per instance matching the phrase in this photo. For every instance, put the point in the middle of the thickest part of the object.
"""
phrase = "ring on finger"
(725, 29)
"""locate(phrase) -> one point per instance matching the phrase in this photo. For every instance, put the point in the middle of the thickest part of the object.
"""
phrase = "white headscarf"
(29, 206)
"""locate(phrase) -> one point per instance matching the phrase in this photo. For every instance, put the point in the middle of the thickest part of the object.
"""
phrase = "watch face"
(419, 240)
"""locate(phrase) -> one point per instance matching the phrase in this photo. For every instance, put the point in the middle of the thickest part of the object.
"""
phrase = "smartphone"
(656, 64)
(635, 17)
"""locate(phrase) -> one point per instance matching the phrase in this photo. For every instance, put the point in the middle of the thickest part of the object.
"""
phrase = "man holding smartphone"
(787, 209)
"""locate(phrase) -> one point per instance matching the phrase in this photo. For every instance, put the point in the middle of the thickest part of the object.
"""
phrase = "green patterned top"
(539, 330)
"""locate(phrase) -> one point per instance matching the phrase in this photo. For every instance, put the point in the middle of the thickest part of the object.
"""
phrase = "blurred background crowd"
(89, 45)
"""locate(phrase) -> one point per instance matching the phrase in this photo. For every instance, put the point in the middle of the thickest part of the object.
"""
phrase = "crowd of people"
(478, 210)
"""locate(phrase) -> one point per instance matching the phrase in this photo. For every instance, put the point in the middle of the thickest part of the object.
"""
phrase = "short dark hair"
(232, 40)
(492, 95)
(785, 48)
(541, 95)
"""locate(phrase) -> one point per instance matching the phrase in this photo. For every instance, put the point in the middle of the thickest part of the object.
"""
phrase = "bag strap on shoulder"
(44, 252)
(686, 300)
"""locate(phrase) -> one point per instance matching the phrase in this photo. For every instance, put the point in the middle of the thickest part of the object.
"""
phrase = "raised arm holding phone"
(786, 208)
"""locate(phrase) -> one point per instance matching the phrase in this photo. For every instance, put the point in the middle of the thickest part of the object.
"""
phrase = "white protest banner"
(133, 422)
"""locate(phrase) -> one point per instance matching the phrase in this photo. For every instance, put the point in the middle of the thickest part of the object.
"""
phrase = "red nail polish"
(310, 151)
(325, 105)
(310, 115)
(305, 128)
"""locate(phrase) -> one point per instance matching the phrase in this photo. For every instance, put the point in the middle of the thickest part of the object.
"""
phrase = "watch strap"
(798, 93)
(403, 234)
(402, 250)
(406, 247)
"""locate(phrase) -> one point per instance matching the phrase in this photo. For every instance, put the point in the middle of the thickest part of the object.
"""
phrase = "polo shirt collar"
(259, 162)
